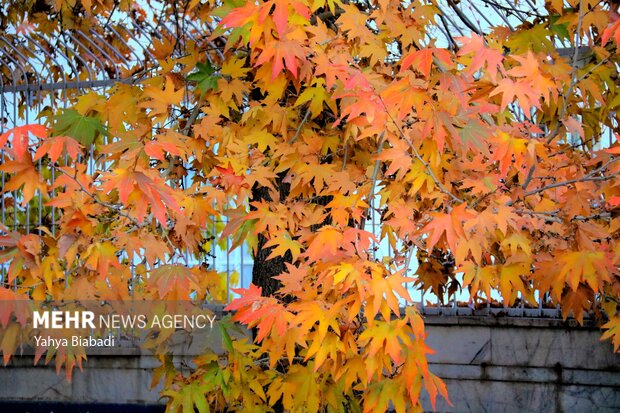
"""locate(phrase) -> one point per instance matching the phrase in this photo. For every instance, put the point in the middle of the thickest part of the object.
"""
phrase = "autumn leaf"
(590, 267)
(282, 54)
(339, 139)
(136, 188)
(175, 281)
(612, 331)
(387, 337)
(521, 90)
(54, 146)
(20, 140)
(448, 227)
(612, 30)
(326, 244)
(483, 56)
(13, 304)
(422, 60)
(283, 243)
(25, 177)
(159, 100)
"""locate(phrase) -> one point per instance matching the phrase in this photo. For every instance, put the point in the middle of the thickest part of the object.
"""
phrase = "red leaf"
(20, 139)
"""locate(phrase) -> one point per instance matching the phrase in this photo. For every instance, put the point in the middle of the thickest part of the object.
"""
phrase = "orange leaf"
(20, 138)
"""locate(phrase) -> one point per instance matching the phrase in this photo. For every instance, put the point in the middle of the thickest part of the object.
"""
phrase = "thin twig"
(429, 171)
(464, 18)
(574, 79)
(548, 215)
(530, 175)
(592, 176)
(301, 125)
(375, 173)
(112, 207)
(346, 155)
(193, 117)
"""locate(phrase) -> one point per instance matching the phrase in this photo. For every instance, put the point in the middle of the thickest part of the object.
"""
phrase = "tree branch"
(574, 79)
(429, 171)
(592, 176)
(375, 173)
(298, 131)
(464, 18)
(111, 207)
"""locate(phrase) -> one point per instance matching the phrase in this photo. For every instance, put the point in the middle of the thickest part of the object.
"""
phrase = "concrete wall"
(490, 364)
(523, 365)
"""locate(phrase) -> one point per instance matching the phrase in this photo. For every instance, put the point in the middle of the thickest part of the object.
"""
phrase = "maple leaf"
(25, 177)
(449, 226)
(511, 280)
(282, 53)
(386, 289)
(100, 257)
(530, 70)
(264, 313)
(517, 242)
(54, 146)
(283, 243)
(612, 30)
(326, 244)
(176, 281)
(574, 126)
(473, 135)
(612, 331)
(160, 100)
(576, 302)
(423, 59)
(83, 129)
(158, 148)
(520, 90)
(136, 188)
(434, 385)
(13, 304)
(509, 147)
(387, 337)
(204, 77)
(19, 138)
(292, 280)
(479, 278)
(228, 178)
(318, 97)
(353, 23)
(590, 267)
(10, 341)
(483, 55)
(239, 16)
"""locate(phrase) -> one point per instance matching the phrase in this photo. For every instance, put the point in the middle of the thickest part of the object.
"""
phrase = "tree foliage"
(296, 120)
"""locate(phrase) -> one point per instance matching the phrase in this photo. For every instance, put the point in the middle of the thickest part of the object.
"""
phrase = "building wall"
(500, 364)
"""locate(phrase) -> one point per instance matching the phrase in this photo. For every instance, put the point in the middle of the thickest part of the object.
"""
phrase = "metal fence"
(33, 79)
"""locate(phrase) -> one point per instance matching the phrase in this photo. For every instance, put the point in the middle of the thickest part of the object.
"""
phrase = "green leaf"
(84, 129)
(204, 77)
(227, 341)
(561, 29)
(200, 401)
